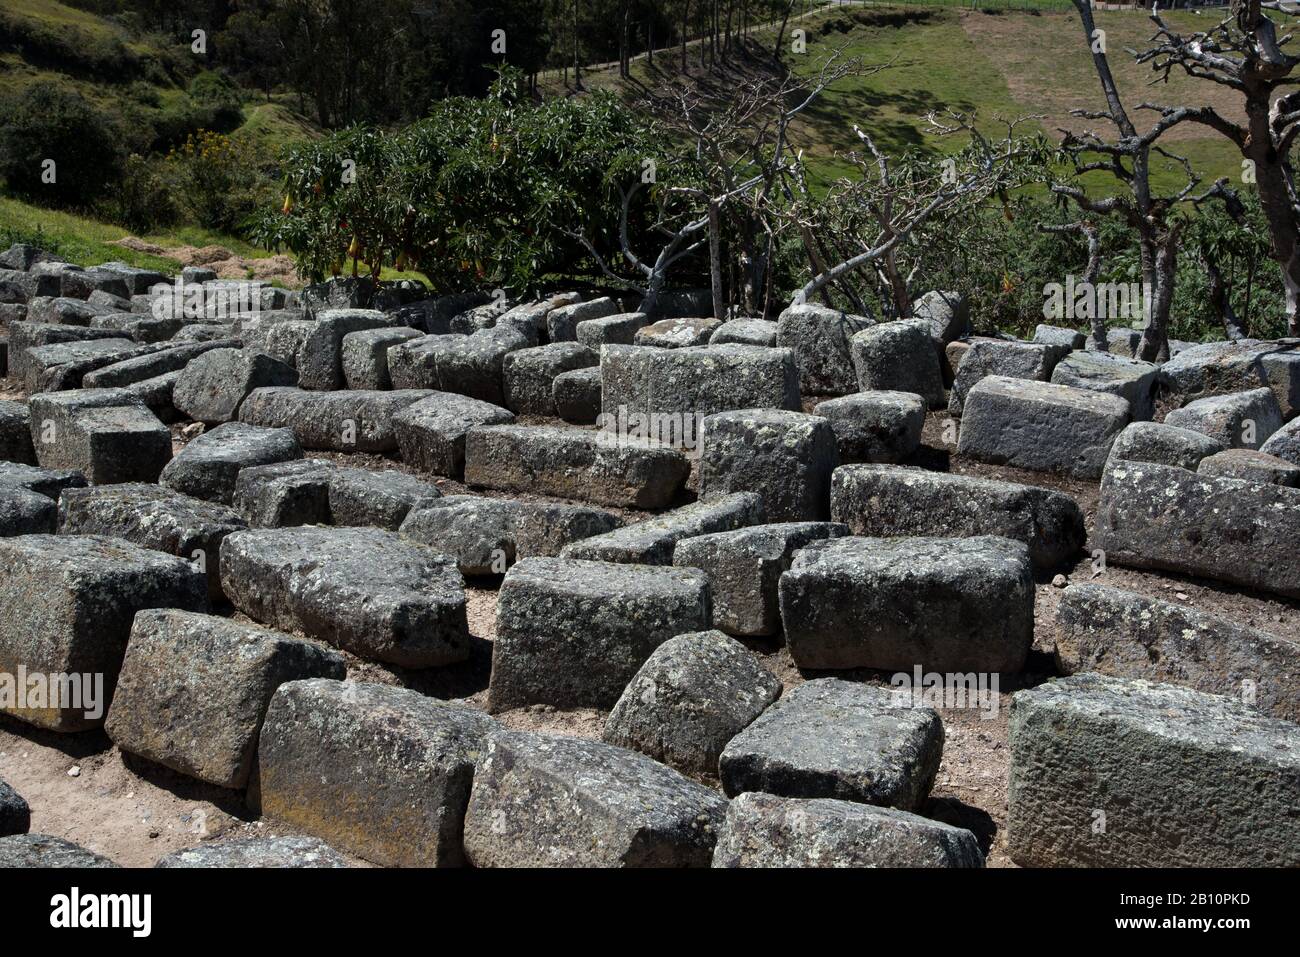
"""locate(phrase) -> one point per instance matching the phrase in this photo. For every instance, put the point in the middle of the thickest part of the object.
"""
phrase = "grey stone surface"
(677, 333)
(652, 540)
(875, 426)
(890, 501)
(694, 694)
(576, 395)
(365, 355)
(1285, 442)
(1240, 420)
(63, 365)
(43, 851)
(834, 739)
(1219, 368)
(1184, 779)
(898, 357)
(16, 434)
(381, 772)
(763, 830)
(194, 689)
(109, 435)
(947, 312)
(360, 589)
(1059, 336)
(346, 421)
(545, 528)
(257, 852)
(431, 432)
(664, 392)
(635, 812)
(1170, 519)
(786, 457)
(745, 332)
(283, 494)
(1127, 635)
(478, 532)
(574, 463)
(1163, 445)
(1251, 466)
(744, 568)
(1017, 360)
(469, 365)
(152, 364)
(1131, 379)
(215, 385)
(382, 499)
(320, 356)
(26, 513)
(15, 815)
(1040, 426)
(29, 334)
(33, 478)
(819, 338)
(209, 465)
(944, 604)
(530, 373)
(66, 607)
(562, 321)
(153, 517)
(573, 633)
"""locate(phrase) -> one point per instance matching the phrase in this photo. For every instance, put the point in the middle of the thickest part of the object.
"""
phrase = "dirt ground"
(228, 265)
(82, 788)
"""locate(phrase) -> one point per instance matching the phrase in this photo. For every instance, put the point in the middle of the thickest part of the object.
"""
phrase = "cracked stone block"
(651, 541)
(819, 338)
(109, 435)
(1240, 420)
(208, 466)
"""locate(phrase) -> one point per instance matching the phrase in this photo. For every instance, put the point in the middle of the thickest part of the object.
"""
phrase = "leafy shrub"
(145, 199)
(216, 182)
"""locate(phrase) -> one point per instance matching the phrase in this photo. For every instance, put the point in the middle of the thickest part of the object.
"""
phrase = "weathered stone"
(898, 357)
(576, 395)
(652, 540)
(257, 852)
(63, 365)
(1058, 336)
(382, 499)
(634, 811)
(66, 607)
(468, 365)
(1040, 426)
(618, 329)
(29, 334)
(1130, 379)
(25, 513)
(1220, 368)
(834, 739)
(948, 314)
(15, 815)
(381, 772)
(944, 604)
(573, 633)
(892, 501)
(1158, 516)
(479, 533)
(1017, 360)
(763, 830)
(361, 589)
(1285, 442)
(574, 463)
(47, 482)
(819, 337)
(215, 385)
(677, 333)
(875, 426)
(16, 434)
(1162, 445)
(153, 517)
(1184, 779)
(529, 374)
(194, 689)
(281, 339)
(28, 851)
(284, 494)
(320, 357)
(545, 528)
(209, 465)
(365, 355)
(1240, 420)
(745, 332)
(62, 310)
(1127, 635)
(152, 365)
(1251, 466)
(562, 322)
(786, 457)
(431, 432)
(662, 393)
(346, 421)
(108, 435)
(694, 694)
(744, 568)
(434, 315)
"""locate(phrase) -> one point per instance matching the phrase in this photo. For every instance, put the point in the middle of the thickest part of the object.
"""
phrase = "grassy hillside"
(1018, 63)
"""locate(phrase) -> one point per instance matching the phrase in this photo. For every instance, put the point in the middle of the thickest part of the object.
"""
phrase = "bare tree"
(1097, 340)
(1243, 52)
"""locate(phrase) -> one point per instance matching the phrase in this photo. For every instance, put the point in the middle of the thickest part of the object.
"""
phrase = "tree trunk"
(780, 33)
(1220, 298)
(1154, 345)
(715, 261)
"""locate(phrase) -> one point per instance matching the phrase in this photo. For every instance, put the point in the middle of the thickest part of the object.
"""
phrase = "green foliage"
(216, 181)
(48, 122)
(145, 200)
